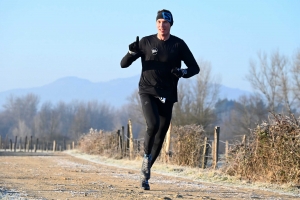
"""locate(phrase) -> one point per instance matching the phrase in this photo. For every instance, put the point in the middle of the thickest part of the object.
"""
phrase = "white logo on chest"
(154, 50)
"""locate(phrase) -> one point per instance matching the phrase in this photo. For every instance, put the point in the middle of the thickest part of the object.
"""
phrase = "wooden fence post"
(73, 145)
(20, 144)
(116, 138)
(28, 145)
(216, 146)
(25, 144)
(120, 141)
(213, 155)
(5, 143)
(244, 142)
(54, 145)
(64, 144)
(167, 144)
(226, 150)
(15, 147)
(130, 140)
(36, 144)
(31, 143)
(127, 140)
(10, 144)
(123, 142)
(138, 146)
(205, 153)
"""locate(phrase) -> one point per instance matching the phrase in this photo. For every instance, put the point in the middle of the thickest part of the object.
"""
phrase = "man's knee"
(152, 128)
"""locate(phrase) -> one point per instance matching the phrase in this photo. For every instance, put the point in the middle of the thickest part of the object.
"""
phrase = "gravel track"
(65, 176)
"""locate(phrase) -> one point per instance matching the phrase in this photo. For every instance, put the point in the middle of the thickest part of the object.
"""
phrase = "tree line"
(22, 116)
(275, 80)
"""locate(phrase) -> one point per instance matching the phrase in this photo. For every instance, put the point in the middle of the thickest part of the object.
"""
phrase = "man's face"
(163, 27)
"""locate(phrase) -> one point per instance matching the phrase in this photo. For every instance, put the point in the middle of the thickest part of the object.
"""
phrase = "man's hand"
(134, 47)
(179, 72)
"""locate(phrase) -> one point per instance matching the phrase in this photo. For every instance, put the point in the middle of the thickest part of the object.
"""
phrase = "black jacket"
(158, 59)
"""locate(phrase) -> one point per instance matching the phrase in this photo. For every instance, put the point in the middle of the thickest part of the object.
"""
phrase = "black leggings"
(158, 117)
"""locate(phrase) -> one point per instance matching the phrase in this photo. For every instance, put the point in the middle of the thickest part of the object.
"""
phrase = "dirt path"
(61, 176)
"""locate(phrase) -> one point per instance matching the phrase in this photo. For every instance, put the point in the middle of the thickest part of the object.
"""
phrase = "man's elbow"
(123, 64)
(198, 70)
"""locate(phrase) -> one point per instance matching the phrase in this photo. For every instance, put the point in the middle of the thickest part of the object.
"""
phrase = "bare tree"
(6, 123)
(133, 111)
(272, 78)
(135, 107)
(182, 109)
(47, 122)
(196, 99)
(22, 110)
(206, 93)
(101, 115)
(21, 130)
(247, 112)
(65, 115)
(68, 121)
(80, 122)
(296, 76)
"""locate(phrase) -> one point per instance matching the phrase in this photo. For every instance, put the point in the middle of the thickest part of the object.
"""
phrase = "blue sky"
(41, 41)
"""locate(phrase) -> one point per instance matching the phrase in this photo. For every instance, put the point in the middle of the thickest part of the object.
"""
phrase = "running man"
(161, 55)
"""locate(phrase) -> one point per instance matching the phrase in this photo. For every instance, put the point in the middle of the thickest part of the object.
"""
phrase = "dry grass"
(272, 153)
(187, 145)
(100, 143)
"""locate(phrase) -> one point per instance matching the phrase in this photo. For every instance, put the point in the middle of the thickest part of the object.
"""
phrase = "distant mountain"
(232, 93)
(114, 92)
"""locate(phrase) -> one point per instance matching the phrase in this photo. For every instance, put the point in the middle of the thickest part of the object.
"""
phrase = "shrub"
(187, 145)
(100, 143)
(272, 153)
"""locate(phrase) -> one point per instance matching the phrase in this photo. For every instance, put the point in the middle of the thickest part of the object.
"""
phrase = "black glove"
(134, 47)
(179, 72)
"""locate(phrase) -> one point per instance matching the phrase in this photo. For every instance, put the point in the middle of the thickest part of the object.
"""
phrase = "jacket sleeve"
(189, 61)
(128, 59)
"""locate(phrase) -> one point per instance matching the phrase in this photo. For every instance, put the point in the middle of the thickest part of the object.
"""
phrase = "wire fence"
(181, 146)
(203, 153)
(34, 144)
